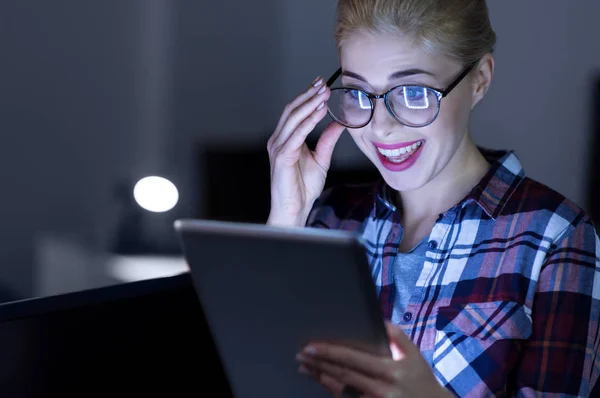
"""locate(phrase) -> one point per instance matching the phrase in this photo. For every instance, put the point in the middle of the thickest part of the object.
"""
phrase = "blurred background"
(96, 95)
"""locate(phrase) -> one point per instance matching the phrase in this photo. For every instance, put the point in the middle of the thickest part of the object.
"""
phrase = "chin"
(402, 183)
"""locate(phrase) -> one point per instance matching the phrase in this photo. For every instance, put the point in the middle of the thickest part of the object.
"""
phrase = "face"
(408, 158)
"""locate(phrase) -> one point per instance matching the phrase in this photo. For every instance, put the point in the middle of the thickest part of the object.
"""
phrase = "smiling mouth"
(399, 155)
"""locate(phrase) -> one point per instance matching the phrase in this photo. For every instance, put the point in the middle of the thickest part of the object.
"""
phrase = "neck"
(466, 168)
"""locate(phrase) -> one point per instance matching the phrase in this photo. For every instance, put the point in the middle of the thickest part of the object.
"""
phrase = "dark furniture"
(236, 182)
(138, 339)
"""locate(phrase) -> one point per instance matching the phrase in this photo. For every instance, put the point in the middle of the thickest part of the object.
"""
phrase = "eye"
(411, 97)
(357, 97)
(414, 93)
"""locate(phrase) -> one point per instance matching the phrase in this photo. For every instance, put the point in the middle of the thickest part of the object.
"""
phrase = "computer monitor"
(139, 338)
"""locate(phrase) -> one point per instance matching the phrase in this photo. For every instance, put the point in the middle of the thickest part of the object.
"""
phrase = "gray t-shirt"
(407, 268)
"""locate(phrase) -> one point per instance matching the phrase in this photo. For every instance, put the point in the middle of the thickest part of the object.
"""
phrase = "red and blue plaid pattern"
(508, 300)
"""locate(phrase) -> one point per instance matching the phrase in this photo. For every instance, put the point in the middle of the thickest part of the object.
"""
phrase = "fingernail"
(322, 90)
(301, 357)
(303, 369)
(318, 81)
(310, 350)
(320, 106)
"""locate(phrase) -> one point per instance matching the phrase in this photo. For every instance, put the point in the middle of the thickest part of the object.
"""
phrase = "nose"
(383, 123)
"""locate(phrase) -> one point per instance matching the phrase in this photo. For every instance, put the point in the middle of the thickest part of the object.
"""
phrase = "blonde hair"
(459, 29)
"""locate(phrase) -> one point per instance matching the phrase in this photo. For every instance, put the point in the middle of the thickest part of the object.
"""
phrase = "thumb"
(326, 144)
(400, 345)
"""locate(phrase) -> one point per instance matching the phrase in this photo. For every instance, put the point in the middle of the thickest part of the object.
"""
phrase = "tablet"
(267, 291)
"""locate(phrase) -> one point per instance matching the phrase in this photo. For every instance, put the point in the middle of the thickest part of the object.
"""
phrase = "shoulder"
(522, 204)
(343, 206)
(545, 210)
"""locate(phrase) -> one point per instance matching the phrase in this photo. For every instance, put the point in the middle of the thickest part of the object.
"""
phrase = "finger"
(363, 362)
(308, 114)
(329, 383)
(312, 90)
(305, 370)
(402, 342)
(298, 137)
(326, 144)
(337, 377)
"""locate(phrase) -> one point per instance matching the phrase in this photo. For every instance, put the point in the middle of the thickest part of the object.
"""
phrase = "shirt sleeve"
(561, 357)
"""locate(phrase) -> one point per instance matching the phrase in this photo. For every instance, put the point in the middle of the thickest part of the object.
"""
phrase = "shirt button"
(432, 244)
(407, 316)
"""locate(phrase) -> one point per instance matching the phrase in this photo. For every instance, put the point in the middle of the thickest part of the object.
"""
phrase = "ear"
(482, 78)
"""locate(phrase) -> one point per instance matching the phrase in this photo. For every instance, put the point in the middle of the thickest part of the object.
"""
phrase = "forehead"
(376, 56)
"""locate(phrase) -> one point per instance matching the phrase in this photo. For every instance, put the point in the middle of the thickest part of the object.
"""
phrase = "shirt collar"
(502, 179)
(491, 193)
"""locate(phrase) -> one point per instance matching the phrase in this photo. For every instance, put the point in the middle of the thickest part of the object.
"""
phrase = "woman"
(489, 280)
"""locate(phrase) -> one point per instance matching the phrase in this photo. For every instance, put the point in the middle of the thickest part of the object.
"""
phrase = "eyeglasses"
(411, 105)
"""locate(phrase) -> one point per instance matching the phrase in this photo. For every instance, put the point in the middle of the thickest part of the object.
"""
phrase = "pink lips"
(406, 164)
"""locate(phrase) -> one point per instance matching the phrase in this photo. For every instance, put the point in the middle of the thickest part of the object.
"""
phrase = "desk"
(65, 264)
(136, 268)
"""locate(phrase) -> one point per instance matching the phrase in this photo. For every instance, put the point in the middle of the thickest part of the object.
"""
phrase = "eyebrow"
(393, 76)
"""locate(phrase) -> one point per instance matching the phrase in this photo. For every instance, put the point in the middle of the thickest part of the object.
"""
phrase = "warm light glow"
(396, 354)
(138, 268)
(155, 194)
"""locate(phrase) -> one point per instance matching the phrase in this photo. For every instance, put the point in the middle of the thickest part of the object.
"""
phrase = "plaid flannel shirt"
(508, 299)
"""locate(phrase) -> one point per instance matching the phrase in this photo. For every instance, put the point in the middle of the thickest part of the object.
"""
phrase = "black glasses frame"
(440, 93)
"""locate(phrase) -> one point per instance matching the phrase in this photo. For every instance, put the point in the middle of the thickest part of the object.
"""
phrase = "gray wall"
(228, 70)
(66, 95)
(93, 92)
(539, 103)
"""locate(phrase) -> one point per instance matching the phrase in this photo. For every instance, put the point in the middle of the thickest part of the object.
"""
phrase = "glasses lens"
(414, 105)
(349, 107)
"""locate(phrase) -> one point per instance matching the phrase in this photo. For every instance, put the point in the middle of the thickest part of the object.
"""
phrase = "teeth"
(398, 160)
(392, 153)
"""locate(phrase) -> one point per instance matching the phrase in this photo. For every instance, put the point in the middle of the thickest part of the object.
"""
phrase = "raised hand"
(297, 173)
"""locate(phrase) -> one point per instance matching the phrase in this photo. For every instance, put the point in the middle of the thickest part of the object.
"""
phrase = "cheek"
(452, 121)
(358, 135)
